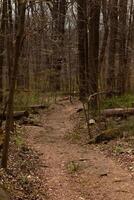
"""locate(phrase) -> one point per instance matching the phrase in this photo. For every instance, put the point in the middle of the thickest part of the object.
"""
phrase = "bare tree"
(121, 79)
(2, 44)
(94, 24)
(82, 47)
(17, 51)
(111, 76)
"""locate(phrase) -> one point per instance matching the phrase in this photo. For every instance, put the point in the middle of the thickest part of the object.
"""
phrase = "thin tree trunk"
(2, 44)
(129, 46)
(111, 77)
(82, 47)
(105, 12)
(9, 41)
(121, 79)
(18, 46)
(94, 23)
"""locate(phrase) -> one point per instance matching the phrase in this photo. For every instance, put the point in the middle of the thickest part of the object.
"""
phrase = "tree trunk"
(18, 46)
(2, 44)
(93, 70)
(121, 79)
(105, 12)
(82, 47)
(111, 77)
(129, 46)
(9, 41)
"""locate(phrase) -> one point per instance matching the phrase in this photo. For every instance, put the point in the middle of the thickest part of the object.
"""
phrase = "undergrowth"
(118, 102)
(23, 99)
(72, 167)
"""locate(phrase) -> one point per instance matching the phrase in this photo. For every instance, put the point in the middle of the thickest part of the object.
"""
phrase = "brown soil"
(73, 171)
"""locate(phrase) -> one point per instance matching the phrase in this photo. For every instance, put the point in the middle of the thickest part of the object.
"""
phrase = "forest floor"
(73, 171)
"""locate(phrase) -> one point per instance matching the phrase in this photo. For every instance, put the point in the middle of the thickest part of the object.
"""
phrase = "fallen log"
(16, 115)
(117, 112)
(37, 107)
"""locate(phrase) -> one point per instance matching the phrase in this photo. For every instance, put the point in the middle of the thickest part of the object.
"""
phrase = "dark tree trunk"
(111, 78)
(9, 41)
(94, 22)
(2, 44)
(82, 47)
(121, 79)
(105, 12)
(17, 51)
(129, 46)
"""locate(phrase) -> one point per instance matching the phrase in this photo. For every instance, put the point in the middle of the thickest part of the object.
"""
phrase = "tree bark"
(121, 79)
(82, 47)
(116, 112)
(105, 12)
(18, 46)
(2, 44)
(129, 46)
(111, 77)
(10, 41)
(93, 68)
(16, 115)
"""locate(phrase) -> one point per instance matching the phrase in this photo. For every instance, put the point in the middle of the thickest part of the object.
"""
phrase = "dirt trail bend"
(96, 177)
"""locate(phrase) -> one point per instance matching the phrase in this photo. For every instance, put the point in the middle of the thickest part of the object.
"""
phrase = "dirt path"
(96, 177)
